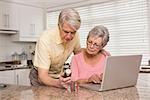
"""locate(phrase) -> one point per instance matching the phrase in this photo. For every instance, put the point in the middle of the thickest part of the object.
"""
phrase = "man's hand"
(65, 81)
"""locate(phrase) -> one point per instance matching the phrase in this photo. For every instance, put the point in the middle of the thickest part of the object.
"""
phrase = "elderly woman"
(53, 48)
(88, 65)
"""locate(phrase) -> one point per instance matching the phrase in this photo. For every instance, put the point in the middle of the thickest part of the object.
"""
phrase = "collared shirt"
(51, 53)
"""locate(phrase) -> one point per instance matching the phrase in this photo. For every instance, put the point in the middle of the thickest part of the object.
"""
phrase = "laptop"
(119, 72)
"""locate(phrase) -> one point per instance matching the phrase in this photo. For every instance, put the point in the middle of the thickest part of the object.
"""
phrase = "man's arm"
(46, 79)
(49, 81)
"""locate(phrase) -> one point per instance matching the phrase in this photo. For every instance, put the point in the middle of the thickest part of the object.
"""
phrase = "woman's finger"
(96, 78)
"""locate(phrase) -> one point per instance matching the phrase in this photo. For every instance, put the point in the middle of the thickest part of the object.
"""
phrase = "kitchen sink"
(3, 67)
(3, 86)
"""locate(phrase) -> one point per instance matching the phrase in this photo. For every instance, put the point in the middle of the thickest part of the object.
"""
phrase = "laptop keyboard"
(92, 86)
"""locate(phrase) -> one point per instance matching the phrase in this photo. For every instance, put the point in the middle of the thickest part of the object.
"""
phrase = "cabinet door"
(2, 16)
(7, 77)
(31, 22)
(22, 77)
(13, 16)
(9, 16)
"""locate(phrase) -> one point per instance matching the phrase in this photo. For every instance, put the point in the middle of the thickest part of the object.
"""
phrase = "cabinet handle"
(34, 28)
(8, 21)
(5, 20)
(31, 29)
(17, 79)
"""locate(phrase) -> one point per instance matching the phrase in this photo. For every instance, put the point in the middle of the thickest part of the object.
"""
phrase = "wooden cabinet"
(31, 23)
(9, 16)
(17, 77)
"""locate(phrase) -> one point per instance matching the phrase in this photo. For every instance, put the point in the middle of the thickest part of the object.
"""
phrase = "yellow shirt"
(51, 53)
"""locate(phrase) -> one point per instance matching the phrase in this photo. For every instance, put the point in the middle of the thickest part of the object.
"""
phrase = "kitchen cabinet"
(22, 77)
(31, 23)
(9, 16)
(26, 20)
(17, 77)
(7, 77)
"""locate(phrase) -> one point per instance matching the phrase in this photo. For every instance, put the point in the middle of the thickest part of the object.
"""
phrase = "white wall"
(8, 47)
(149, 23)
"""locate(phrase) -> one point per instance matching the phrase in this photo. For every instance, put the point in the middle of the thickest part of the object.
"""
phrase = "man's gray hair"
(71, 17)
(100, 31)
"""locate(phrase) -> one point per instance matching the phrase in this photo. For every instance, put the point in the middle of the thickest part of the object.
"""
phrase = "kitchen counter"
(140, 92)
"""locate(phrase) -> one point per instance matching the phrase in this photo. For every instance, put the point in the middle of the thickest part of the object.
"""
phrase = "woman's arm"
(74, 69)
(82, 81)
(95, 78)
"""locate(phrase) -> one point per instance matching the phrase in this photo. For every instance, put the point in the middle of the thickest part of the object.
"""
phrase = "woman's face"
(66, 33)
(94, 45)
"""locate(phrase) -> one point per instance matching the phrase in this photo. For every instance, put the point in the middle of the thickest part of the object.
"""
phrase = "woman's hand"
(95, 78)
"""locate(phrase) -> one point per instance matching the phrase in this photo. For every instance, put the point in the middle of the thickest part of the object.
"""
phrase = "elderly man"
(53, 48)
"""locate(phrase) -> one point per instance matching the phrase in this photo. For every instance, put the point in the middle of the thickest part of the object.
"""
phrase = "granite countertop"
(140, 92)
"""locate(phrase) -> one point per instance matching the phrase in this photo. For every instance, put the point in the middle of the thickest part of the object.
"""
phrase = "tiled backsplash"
(8, 47)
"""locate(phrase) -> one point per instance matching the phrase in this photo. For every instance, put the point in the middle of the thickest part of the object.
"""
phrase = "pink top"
(81, 70)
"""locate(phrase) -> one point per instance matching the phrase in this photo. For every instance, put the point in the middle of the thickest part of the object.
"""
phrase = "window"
(127, 21)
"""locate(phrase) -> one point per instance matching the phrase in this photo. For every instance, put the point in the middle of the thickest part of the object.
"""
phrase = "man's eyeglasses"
(68, 32)
(95, 45)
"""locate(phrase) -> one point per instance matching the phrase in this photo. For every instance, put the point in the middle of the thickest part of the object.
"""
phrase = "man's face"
(66, 32)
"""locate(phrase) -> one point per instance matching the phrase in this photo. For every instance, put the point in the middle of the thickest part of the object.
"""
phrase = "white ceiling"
(55, 4)
(46, 3)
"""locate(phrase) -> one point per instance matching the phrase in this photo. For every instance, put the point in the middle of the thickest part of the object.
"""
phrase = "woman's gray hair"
(100, 31)
(71, 17)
